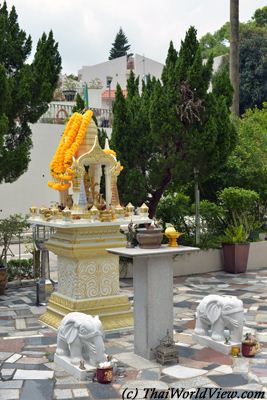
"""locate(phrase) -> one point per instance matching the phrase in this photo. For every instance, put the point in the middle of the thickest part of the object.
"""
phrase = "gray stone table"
(153, 294)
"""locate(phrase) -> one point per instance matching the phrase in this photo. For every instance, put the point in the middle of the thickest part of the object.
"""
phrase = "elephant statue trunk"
(217, 313)
(80, 337)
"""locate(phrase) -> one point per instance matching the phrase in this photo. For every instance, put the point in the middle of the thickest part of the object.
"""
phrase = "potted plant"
(250, 345)
(241, 217)
(9, 227)
(235, 249)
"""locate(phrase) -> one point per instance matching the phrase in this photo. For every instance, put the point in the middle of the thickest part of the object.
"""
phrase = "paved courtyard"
(27, 347)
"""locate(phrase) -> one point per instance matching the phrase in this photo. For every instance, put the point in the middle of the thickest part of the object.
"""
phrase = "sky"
(86, 29)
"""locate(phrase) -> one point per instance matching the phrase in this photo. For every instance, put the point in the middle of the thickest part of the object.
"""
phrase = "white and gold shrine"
(88, 277)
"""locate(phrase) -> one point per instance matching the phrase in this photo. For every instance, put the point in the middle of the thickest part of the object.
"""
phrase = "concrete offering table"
(153, 294)
(88, 277)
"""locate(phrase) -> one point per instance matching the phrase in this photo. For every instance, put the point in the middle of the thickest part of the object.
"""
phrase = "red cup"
(104, 375)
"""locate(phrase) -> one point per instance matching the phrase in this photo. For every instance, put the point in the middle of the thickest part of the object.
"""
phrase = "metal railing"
(103, 116)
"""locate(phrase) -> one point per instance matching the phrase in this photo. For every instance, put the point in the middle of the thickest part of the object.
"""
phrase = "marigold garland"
(70, 142)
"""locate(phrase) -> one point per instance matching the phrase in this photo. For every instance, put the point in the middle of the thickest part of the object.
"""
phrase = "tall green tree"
(252, 57)
(253, 68)
(26, 89)
(217, 43)
(247, 165)
(260, 17)
(173, 127)
(120, 47)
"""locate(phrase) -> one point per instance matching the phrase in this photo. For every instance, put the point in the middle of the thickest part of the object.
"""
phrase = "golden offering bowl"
(235, 351)
(172, 235)
(54, 211)
(43, 210)
(106, 216)
(119, 211)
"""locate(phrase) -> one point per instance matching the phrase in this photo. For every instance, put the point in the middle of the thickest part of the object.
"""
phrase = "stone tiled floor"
(27, 347)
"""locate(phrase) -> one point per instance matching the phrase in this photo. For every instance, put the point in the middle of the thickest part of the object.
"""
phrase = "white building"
(103, 78)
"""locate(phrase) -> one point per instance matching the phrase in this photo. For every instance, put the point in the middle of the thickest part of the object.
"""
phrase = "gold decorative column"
(88, 277)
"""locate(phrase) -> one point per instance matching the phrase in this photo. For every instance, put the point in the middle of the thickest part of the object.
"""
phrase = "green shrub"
(241, 207)
(211, 224)
(22, 269)
(175, 208)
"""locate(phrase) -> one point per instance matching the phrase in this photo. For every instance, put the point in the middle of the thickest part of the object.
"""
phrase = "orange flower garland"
(70, 142)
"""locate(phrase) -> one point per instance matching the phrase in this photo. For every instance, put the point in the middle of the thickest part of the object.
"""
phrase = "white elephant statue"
(80, 337)
(217, 313)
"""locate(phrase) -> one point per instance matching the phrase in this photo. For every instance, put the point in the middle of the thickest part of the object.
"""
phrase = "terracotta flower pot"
(3, 279)
(149, 238)
(235, 257)
(104, 375)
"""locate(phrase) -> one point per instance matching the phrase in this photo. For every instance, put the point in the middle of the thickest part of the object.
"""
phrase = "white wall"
(115, 68)
(144, 66)
(95, 98)
(31, 188)
(211, 260)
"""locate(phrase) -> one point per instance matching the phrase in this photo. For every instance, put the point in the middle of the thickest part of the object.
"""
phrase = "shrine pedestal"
(153, 294)
(88, 277)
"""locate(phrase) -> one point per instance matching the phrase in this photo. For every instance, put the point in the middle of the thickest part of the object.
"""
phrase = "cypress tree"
(80, 104)
(175, 126)
(26, 90)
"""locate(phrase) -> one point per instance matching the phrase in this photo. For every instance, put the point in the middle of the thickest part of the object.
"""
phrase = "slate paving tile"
(42, 340)
(229, 380)
(167, 379)
(183, 304)
(211, 366)
(111, 335)
(11, 384)
(37, 390)
(4, 355)
(99, 391)
(196, 382)
(36, 367)
(18, 302)
(7, 322)
(13, 345)
(32, 360)
(9, 394)
(63, 394)
(259, 370)
(149, 374)
(212, 356)
(178, 328)
(186, 351)
(190, 324)
(110, 350)
(249, 301)
(80, 393)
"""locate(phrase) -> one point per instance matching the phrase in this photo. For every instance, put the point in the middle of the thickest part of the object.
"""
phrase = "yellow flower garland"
(70, 142)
